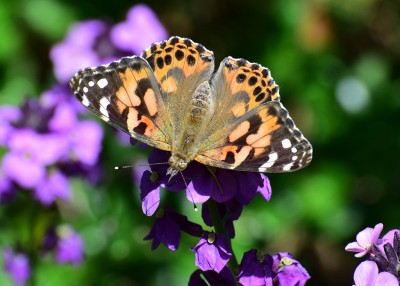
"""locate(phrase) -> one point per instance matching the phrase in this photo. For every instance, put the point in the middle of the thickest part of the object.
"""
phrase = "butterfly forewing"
(126, 95)
(180, 66)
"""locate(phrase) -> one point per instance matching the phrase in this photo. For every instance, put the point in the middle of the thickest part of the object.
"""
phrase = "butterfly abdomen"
(197, 114)
(200, 104)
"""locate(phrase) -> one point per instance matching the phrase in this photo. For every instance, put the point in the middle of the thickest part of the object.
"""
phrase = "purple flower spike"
(365, 239)
(289, 271)
(255, 269)
(69, 247)
(212, 252)
(141, 29)
(366, 274)
(17, 266)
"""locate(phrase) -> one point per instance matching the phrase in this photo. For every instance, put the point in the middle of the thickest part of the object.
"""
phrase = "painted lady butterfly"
(170, 99)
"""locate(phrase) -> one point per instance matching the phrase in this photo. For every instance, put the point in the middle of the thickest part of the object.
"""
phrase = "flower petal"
(386, 279)
(376, 232)
(366, 273)
(23, 170)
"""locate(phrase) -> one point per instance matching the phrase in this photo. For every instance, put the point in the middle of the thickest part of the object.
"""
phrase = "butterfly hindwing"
(263, 140)
(126, 95)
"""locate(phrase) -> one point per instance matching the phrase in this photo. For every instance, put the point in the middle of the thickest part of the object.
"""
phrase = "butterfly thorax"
(195, 121)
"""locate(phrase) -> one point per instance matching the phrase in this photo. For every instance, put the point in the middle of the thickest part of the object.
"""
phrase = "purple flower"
(56, 186)
(26, 162)
(223, 185)
(288, 270)
(212, 252)
(149, 192)
(141, 29)
(17, 266)
(366, 274)
(205, 278)
(60, 95)
(167, 228)
(365, 239)
(34, 116)
(69, 247)
(255, 269)
(85, 142)
(78, 50)
(221, 188)
(151, 181)
(252, 183)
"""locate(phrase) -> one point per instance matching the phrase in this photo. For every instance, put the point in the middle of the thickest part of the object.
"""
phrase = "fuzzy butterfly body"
(170, 99)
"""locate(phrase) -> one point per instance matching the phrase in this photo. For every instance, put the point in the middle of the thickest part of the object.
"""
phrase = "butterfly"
(169, 98)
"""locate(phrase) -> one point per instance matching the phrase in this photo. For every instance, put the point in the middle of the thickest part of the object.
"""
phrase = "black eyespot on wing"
(191, 60)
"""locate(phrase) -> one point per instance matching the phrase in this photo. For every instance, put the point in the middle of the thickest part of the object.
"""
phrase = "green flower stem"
(220, 230)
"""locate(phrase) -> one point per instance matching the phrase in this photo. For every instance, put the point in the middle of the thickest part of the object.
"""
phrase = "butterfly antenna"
(162, 163)
(194, 205)
(123, 167)
(131, 166)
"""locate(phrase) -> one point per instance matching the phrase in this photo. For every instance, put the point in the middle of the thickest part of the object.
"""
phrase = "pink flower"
(366, 274)
(365, 239)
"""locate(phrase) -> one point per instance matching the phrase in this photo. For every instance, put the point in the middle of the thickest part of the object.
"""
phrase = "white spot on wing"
(271, 161)
(91, 83)
(102, 83)
(85, 101)
(287, 167)
(105, 118)
(85, 89)
(294, 150)
(294, 158)
(286, 143)
(104, 102)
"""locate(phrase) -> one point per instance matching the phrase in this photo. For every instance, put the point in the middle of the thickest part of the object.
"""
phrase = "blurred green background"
(337, 65)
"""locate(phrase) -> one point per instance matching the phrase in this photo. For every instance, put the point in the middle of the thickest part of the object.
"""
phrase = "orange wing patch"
(139, 123)
(249, 84)
(262, 137)
(178, 58)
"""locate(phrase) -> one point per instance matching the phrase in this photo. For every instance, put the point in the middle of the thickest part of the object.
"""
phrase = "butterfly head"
(177, 162)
